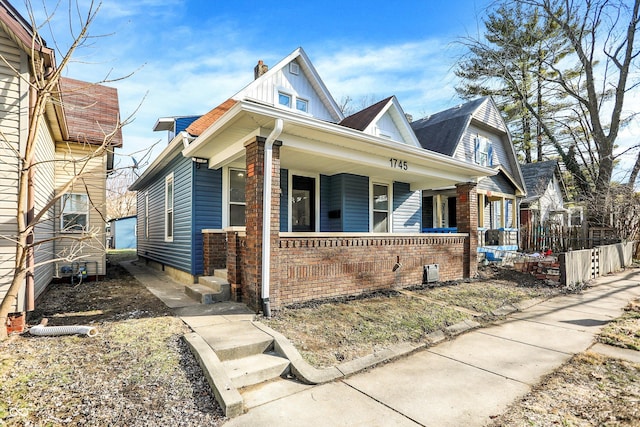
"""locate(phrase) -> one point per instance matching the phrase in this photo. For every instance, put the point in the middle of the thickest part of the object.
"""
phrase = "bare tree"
(46, 93)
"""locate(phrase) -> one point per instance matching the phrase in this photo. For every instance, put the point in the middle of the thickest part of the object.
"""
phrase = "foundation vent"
(430, 273)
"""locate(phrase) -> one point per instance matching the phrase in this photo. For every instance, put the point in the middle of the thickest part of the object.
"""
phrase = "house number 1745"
(400, 164)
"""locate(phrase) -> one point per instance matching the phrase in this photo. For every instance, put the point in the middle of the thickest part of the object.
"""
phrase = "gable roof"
(309, 71)
(441, 132)
(363, 118)
(92, 111)
(200, 125)
(366, 120)
(537, 177)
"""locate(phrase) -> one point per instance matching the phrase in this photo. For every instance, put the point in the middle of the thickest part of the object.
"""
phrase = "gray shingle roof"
(442, 131)
(537, 177)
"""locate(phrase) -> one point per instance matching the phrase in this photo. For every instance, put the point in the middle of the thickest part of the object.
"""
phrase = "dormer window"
(483, 151)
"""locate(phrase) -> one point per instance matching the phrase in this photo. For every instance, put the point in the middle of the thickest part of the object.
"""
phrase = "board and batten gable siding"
(70, 157)
(177, 253)
(386, 127)
(407, 213)
(298, 85)
(44, 191)
(206, 210)
(13, 97)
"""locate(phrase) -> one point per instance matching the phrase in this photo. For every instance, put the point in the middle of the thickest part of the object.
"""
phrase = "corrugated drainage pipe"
(48, 331)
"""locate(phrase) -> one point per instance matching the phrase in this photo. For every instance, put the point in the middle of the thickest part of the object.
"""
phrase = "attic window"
(294, 68)
(483, 151)
(302, 105)
(284, 99)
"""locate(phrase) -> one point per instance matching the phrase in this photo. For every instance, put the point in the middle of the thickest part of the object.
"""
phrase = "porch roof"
(313, 145)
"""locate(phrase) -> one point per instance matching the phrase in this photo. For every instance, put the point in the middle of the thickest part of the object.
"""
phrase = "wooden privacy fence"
(587, 264)
(560, 238)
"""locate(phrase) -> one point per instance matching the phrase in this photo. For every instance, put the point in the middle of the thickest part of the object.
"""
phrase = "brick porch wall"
(321, 267)
(214, 251)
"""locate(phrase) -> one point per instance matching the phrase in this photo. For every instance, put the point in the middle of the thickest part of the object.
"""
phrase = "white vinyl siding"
(12, 122)
(386, 128)
(45, 230)
(93, 183)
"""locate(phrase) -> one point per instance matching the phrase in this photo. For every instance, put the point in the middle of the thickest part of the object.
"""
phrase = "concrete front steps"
(210, 289)
(237, 356)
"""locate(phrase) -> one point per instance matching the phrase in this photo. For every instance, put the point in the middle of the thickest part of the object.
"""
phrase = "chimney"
(409, 117)
(260, 69)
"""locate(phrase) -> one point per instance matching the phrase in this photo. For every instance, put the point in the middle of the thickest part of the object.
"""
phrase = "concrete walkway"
(460, 382)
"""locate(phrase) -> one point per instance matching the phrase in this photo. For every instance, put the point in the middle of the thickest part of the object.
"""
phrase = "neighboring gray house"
(475, 133)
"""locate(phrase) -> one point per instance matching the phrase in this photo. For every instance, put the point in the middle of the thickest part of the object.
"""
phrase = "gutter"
(266, 216)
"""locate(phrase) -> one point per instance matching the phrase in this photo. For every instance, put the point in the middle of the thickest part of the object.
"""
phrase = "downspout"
(266, 216)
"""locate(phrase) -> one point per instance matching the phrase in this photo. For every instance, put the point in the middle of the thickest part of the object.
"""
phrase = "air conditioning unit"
(430, 273)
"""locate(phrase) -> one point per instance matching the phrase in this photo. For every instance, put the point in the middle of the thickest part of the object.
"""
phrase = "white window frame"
(389, 210)
(169, 213)
(294, 97)
(483, 151)
(290, 175)
(63, 204)
(227, 195)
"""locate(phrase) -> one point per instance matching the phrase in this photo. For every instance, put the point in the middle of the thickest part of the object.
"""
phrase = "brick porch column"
(467, 220)
(251, 289)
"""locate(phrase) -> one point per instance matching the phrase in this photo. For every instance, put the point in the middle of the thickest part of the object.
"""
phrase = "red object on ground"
(16, 323)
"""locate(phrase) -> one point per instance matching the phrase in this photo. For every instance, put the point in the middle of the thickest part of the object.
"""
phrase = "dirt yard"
(136, 372)
(334, 331)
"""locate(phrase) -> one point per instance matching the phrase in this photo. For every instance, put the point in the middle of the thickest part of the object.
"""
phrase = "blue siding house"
(123, 232)
(294, 201)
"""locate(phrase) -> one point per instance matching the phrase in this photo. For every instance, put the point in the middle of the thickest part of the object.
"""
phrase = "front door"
(303, 203)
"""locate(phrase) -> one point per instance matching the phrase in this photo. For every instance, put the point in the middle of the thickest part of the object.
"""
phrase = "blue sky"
(188, 56)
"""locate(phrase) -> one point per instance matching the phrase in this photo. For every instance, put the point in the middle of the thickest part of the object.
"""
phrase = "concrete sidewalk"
(459, 382)
(464, 381)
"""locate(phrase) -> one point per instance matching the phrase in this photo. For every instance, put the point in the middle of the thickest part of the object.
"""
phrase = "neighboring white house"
(74, 125)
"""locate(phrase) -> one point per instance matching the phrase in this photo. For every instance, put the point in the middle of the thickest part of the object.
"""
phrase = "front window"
(237, 199)
(380, 208)
(168, 204)
(75, 212)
